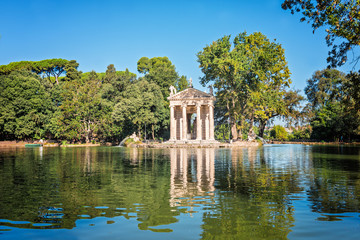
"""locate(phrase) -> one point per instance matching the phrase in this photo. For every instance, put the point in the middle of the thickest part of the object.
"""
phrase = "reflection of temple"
(192, 175)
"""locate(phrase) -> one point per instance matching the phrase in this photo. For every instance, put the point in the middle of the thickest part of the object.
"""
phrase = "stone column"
(211, 122)
(198, 122)
(184, 127)
(207, 127)
(172, 123)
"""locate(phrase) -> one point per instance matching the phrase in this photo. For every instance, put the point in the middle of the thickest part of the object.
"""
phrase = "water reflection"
(240, 193)
(192, 176)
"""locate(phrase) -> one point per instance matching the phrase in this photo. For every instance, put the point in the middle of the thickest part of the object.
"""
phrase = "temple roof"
(191, 93)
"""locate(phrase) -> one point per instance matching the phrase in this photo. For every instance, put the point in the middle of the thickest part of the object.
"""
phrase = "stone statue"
(190, 83)
(211, 90)
(172, 90)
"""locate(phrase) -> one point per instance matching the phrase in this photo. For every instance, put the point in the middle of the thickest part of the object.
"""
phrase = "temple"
(191, 116)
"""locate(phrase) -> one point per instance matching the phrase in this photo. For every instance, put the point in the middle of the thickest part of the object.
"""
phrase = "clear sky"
(103, 32)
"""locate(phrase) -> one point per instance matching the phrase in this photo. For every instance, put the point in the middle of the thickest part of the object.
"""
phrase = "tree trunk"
(262, 128)
(251, 134)
(240, 135)
(153, 132)
(233, 129)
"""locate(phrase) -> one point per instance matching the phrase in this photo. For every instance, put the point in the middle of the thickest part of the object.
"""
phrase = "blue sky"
(99, 33)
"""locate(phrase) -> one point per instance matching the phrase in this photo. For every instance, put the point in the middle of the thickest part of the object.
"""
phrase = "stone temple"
(191, 116)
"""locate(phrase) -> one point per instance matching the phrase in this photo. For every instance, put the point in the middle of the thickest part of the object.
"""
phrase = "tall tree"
(159, 70)
(340, 17)
(241, 70)
(325, 86)
(141, 105)
(24, 106)
(81, 110)
(333, 98)
(48, 67)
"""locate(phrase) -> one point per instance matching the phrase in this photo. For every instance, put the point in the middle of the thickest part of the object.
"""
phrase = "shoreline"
(4, 144)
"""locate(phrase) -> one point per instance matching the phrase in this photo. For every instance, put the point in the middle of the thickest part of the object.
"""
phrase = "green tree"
(81, 110)
(182, 83)
(340, 17)
(159, 70)
(24, 106)
(333, 97)
(241, 72)
(114, 84)
(141, 105)
(48, 67)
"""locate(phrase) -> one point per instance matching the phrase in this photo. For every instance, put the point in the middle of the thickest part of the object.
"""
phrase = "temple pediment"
(191, 93)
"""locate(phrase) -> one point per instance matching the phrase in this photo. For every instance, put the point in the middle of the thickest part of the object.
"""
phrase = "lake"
(268, 192)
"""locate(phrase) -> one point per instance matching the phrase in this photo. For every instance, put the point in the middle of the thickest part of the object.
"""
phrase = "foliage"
(182, 83)
(81, 112)
(25, 106)
(222, 132)
(159, 70)
(141, 104)
(279, 133)
(342, 19)
(303, 133)
(250, 76)
(48, 67)
(334, 99)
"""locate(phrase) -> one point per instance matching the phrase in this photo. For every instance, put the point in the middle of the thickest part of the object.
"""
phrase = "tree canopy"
(250, 75)
(341, 19)
(48, 67)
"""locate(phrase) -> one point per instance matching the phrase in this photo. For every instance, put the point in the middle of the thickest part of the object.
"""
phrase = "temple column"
(184, 127)
(198, 122)
(172, 123)
(211, 122)
(207, 127)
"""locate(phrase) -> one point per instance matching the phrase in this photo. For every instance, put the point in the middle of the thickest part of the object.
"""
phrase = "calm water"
(271, 192)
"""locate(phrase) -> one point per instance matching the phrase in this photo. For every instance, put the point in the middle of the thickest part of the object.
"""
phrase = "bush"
(301, 134)
(278, 132)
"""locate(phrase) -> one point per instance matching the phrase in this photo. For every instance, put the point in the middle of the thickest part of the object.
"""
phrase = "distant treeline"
(51, 99)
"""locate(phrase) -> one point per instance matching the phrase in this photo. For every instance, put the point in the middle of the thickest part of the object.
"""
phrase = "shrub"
(278, 132)
(302, 134)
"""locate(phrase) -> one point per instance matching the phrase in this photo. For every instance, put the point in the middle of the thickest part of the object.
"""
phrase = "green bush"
(301, 134)
(278, 132)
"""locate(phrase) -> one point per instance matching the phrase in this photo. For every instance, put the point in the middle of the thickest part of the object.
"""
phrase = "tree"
(24, 106)
(81, 110)
(48, 67)
(242, 71)
(159, 70)
(325, 86)
(141, 104)
(114, 84)
(71, 71)
(333, 97)
(342, 19)
(182, 83)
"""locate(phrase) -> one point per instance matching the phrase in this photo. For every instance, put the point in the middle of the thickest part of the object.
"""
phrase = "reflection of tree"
(253, 199)
(336, 184)
(70, 183)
